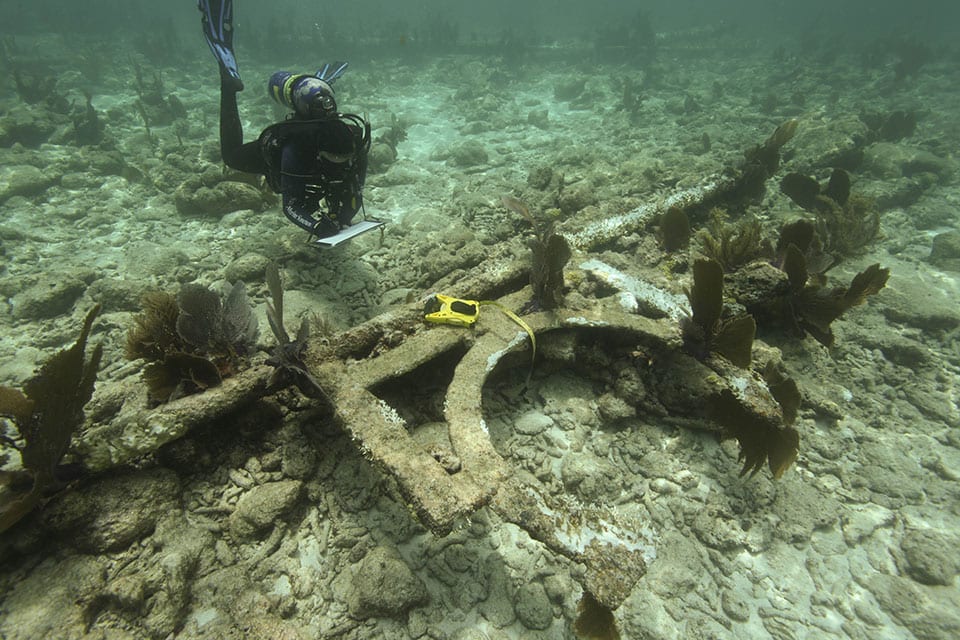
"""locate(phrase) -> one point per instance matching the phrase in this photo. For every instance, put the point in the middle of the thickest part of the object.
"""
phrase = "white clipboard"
(347, 233)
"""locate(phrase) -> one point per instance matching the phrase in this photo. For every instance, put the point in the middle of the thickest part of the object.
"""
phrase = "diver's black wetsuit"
(236, 154)
(306, 161)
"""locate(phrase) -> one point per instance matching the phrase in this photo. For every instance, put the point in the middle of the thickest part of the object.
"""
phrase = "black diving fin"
(217, 21)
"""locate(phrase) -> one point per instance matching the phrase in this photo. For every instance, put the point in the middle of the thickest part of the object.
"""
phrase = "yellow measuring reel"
(441, 309)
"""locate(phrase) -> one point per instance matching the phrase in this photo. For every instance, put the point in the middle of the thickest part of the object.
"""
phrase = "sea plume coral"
(846, 222)
(287, 356)
(551, 252)
(706, 331)
(46, 414)
(192, 340)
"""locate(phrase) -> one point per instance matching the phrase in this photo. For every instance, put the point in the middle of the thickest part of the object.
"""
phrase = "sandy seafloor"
(860, 539)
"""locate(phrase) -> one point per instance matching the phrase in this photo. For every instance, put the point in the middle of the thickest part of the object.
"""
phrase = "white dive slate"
(352, 231)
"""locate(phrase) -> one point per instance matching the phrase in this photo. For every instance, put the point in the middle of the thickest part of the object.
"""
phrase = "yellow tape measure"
(441, 309)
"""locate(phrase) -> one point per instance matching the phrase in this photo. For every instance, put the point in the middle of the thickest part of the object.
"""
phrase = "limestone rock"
(532, 423)
(249, 267)
(169, 607)
(860, 523)
(53, 294)
(533, 606)
(888, 160)
(801, 508)
(735, 605)
(590, 479)
(576, 197)
(927, 308)
(539, 118)
(117, 295)
(298, 457)
(945, 250)
(383, 585)
(928, 613)
(883, 471)
(263, 505)
(224, 197)
(114, 512)
(467, 154)
(25, 125)
(836, 142)
(931, 556)
(613, 408)
(678, 567)
(496, 608)
(52, 601)
(173, 568)
(381, 156)
(23, 180)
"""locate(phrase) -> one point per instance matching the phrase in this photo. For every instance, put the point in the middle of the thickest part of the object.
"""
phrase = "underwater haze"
(651, 330)
(850, 19)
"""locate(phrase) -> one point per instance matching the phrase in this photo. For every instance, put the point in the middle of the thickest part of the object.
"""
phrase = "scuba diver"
(316, 159)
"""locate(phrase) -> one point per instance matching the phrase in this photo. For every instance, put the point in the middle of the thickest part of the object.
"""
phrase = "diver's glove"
(217, 21)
